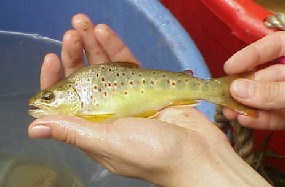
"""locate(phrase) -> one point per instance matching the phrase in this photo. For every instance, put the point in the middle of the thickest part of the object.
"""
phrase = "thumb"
(263, 95)
(68, 129)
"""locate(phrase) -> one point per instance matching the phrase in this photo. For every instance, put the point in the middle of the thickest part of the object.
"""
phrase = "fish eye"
(48, 96)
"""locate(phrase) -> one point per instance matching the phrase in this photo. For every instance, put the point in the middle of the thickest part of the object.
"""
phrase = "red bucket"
(219, 29)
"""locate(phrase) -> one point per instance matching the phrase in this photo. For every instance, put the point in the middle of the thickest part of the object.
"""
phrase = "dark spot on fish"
(131, 82)
(133, 73)
(92, 70)
(95, 87)
(198, 84)
(82, 104)
(105, 93)
(186, 80)
(123, 73)
(173, 83)
(168, 81)
(97, 104)
(151, 82)
(110, 69)
(69, 85)
(118, 74)
(103, 79)
(97, 75)
(122, 83)
(153, 72)
(178, 74)
(115, 84)
(99, 89)
(163, 75)
(88, 79)
(109, 84)
(91, 97)
(143, 81)
(105, 85)
(140, 75)
(142, 92)
(126, 93)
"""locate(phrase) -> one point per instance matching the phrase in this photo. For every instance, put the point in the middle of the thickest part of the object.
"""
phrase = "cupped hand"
(266, 92)
(99, 42)
(180, 147)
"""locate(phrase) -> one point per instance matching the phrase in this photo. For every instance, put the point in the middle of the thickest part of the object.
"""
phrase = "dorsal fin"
(189, 72)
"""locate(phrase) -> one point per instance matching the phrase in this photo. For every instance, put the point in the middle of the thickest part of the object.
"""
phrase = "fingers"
(262, 95)
(230, 114)
(95, 53)
(113, 45)
(262, 51)
(274, 73)
(51, 71)
(72, 52)
(269, 120)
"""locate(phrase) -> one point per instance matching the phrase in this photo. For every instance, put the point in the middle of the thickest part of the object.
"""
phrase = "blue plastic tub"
(30, 29)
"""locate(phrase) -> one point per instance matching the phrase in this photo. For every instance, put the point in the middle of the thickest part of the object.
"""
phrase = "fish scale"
(110, 91)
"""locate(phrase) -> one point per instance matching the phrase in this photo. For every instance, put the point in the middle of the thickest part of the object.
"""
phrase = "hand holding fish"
(267, 91)
(179, 147)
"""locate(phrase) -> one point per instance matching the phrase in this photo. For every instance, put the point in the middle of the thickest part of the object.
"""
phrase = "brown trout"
(111, 91)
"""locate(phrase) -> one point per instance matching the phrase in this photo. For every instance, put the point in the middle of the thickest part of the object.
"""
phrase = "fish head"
(61, 99)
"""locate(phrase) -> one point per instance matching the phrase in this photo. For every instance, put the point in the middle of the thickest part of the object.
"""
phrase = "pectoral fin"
(96, 118)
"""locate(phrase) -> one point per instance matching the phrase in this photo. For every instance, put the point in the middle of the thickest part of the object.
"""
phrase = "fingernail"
(40, 131)
(244, 89)
(67, 36)
(48, 58)
(101, 28)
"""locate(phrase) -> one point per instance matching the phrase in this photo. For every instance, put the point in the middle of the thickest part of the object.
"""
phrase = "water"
(20, 61)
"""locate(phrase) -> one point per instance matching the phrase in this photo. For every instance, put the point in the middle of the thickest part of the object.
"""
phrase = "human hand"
(100, 43)
(179, 148)
(267, 91)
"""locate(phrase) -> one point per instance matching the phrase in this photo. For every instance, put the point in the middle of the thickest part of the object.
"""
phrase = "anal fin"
(183, 102)
(147, 114)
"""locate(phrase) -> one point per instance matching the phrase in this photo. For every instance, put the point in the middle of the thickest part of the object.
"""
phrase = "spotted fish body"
(116, 90)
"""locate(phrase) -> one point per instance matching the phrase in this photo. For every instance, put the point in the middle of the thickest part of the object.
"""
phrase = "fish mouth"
(38, 111)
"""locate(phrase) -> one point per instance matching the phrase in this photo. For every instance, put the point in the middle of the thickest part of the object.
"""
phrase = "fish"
(106, 92)
(27, 171)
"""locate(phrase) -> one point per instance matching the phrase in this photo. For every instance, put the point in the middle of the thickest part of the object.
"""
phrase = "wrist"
(219, 166)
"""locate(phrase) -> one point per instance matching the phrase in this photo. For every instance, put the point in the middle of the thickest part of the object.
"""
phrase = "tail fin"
(224, 97)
